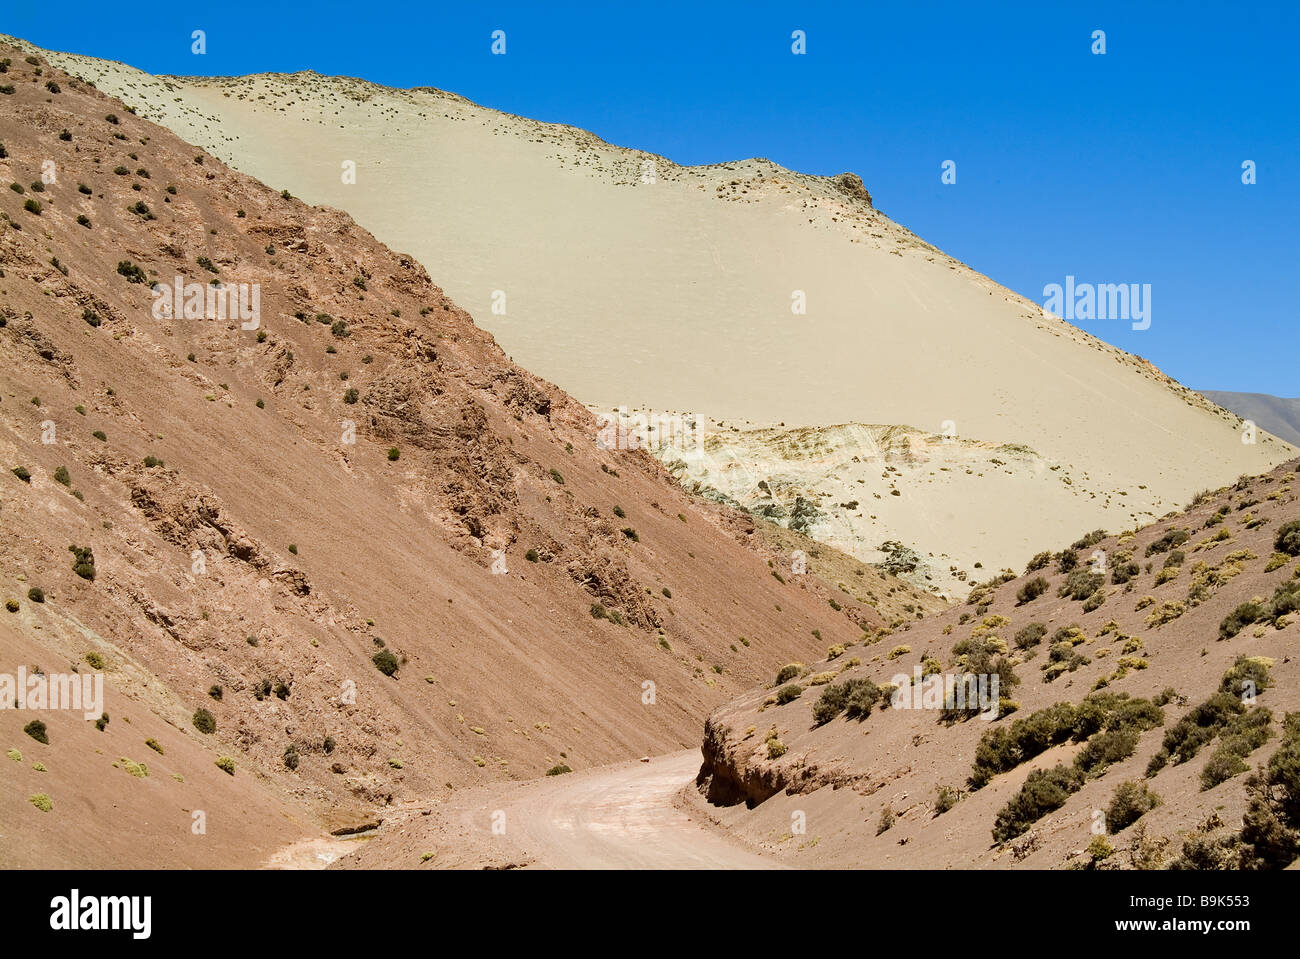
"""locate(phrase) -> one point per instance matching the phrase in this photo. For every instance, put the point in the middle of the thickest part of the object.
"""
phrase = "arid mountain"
(1122, 660)
(333, 556)
(783, 309)
(1277, 414)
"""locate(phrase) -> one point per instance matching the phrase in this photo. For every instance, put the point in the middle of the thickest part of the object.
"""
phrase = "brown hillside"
(268, 556)
(1164, 631)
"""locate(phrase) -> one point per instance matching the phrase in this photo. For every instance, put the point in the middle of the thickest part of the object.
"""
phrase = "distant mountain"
(1277, 414)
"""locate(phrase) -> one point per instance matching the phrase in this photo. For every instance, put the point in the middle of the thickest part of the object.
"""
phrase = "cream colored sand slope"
(676, 295)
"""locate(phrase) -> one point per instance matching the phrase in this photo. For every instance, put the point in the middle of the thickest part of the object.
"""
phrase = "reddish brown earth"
(836, 779)
(501, 676)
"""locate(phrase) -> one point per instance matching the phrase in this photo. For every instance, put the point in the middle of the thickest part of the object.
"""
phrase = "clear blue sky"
(1117, 168)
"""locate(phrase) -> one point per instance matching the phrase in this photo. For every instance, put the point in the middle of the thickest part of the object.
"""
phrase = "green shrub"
(226, 765)
(132, 272)
(94, 660)
(1288, 538)
(385, 662)
(83, 562)
(1040, 561)
(630, 533)
(11, 605)
(151, 461)
(835, 698)
(559, 770)
(788, 672)
(204, 722)
(1031, 590)
(33, 205)
(22, 473)
(618, 511)
(531, 556)
(1172, 538)
(36, 594)
(1131, 801)
(788, 694)
(1081, 583)
(557, 477)
(153, 744)
(1044, 791)
(394, 454)
(350, 395)
(36, 729)
(1105, 749)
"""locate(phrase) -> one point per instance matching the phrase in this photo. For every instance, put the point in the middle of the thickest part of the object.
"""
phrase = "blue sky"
(1122, 168)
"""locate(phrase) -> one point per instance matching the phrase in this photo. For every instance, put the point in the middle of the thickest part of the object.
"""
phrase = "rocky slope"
(388, 562)
(743, 293)
(1125, 667)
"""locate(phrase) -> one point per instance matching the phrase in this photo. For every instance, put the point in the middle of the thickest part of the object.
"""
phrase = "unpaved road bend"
(624, 816)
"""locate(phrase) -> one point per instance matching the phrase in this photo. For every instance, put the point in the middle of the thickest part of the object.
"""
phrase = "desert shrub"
(94, 660)
(33, 205)
(36, 729)
(1241, 617)
(132, 272)
(291, 756)
(385, 662)
(631, 534)
(1031, 590)
(1123, 569)
(557, 476)
(1105, 749)
(153, 744)
(1066, 561)
(1171, 538)
(788, 672)
(788, 694)
(226, 765)
(1089, 539)
(531, 556)
(559, 770)
(1094, 601)
(394, 454)
(11, 605)
(1081, 583)
(945, 799)
(1029, 636)
(1246, 669)
(1039, 561)
(1044, 791)
(1131, 801)
(328, 745)
(886, 821)
(83, 562)
(36, 594)
(1220, 767)
(22, 473)
(340, 329)
(618, 511)
(859, 694)
(216, 692)
(1288, 538)
(1183, 740)
(204, 721)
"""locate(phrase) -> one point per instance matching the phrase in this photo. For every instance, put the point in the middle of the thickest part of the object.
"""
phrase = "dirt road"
(624, 816)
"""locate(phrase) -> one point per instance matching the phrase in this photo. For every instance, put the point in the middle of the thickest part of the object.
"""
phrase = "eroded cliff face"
(929, 507)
